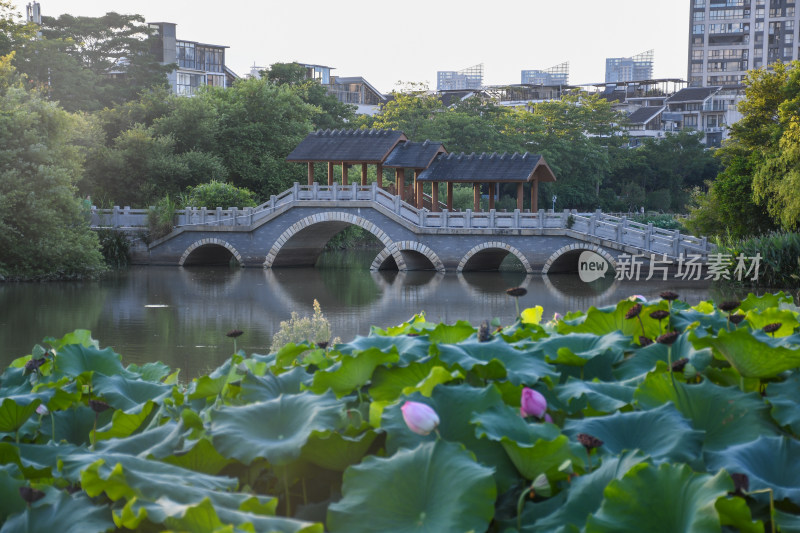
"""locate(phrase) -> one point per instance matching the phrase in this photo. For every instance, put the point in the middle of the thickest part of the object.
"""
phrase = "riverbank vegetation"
(586, 422)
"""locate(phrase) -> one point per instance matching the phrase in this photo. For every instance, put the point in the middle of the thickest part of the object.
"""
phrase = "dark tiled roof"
(414, 155)
(643, 115)
(449, 98)
(487, 168)
(353, 146)
(692, 94)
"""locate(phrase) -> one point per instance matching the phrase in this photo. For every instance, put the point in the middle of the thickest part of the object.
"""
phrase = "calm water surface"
(180, 315)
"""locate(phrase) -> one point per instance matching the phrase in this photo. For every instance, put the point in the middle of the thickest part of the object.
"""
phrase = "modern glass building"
(636, 68)
(729, 37)
(555, 75)
(467, 79)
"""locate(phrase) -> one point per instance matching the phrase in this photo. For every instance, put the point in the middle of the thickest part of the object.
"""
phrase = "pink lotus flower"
(532, 403)
(42, 409)
(419, 418)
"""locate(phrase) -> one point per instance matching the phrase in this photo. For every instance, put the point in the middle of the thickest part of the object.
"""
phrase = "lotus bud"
(532, 403)
(548, 418)
(42, 409)
(420, 418)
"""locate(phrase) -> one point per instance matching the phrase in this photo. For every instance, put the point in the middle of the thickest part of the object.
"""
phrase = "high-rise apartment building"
(459, 80)
(556, 75)
(729, 37)
(636, 68)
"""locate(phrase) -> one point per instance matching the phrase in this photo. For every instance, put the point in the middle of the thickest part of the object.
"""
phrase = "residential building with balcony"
(197, 63)
(729, 37)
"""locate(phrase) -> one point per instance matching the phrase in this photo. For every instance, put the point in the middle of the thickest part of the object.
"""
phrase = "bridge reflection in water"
(197, 306)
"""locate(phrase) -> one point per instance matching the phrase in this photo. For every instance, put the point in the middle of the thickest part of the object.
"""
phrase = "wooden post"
(330, 173)
(344, 174)
(310, 173)
(363, 174)
(519, 197)
(435, 197)
(534, 195)
(379, 172)
(449, 195)
(420, 194)
(476, 197)
(400, 182)
(418, 188)
(491, 196)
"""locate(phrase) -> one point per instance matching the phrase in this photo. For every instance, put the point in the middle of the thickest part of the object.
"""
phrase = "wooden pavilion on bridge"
(429, 161)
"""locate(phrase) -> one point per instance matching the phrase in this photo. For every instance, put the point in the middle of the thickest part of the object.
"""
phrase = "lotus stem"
(521, 504)
(286, 490)
(52, 427)
(771, 505)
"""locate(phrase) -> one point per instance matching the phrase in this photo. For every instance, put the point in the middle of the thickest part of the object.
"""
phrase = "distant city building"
(728, 38)
(636, 68)
(198, 63)
(468, 79)
(33, 13)
(556, 75)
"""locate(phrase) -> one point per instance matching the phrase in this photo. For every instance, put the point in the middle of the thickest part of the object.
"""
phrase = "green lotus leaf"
(82, 337)
(73, 425)
(784, 397)
(636, 367)
(408, 348)
(16, 410)
(287, 355)
(605, 320)
(159, 442)
(787, 318)
(10, 482)
(451, 333)
(583, 498)
(335, 451)
(413, 324)
(276, 429)
(734, 511)
(129, 395)
(153, 372)
(65, 393)
(769, 462)
(435, 487)
(661, 433)
(351, 372)
(202, 457)
(75, 359)
(456, 406)
(665, 499)
(58, 511)
(787, 523)
(686, 319)
(765, 301)
(602, 397)
(754, 354)
(534, 448)
(269, 386)
(122, 424)
(577, 349)
(388, 383)
(726, 414)
(521, 368)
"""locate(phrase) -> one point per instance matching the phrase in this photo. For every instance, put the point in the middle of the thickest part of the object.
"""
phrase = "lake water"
(180, 315)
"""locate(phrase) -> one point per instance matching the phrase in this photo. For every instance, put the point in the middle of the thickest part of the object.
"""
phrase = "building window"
(699, 15)
(760, 13)
(690, 121)
(697, 54)
(699, 3)
(698, 67)
(216, 80)
(788, 38)
(185, 52)
(698, 28)
(187, 83)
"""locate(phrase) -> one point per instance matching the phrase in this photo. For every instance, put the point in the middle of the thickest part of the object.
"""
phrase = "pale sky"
(408, 41)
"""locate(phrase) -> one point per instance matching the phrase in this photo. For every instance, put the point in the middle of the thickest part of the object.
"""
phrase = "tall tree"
(43, 231)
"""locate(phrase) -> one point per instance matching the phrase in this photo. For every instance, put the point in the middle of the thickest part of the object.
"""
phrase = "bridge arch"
(314, 232)
(415, 255)
(489, 255)
(207, 251)
(565, 259)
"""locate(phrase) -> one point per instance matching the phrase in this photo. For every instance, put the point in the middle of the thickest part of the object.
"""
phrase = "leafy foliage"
(217, 194)
(306, 439)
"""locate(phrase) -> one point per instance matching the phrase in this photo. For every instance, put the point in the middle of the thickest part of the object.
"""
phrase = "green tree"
(43, 230)
(217, 194)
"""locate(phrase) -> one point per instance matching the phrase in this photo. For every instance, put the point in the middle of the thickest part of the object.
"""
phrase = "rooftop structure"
(555, 75)
(638, 67)
(452, 80)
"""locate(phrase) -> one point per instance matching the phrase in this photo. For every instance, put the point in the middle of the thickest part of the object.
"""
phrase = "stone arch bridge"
(292, 228)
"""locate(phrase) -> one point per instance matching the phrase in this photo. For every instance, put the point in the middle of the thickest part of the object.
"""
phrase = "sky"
(409, 41)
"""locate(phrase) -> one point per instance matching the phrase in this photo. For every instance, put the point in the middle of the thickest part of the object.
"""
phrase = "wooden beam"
(491, 196)
(400, 182)
(310, 173)
(417, 189)
(363, 173)
(435, 197)
(534, 195)
(330, 173)
(450, 196)
(520, 198)
(476, 197)
(419, 194)
(379, 172)
(344, 174)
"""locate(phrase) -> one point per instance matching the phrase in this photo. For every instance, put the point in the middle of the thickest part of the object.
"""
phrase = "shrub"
(660, 220)
(161, 218)
(217, 194)
(780, 256)
(115, 248)
(315, 329)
